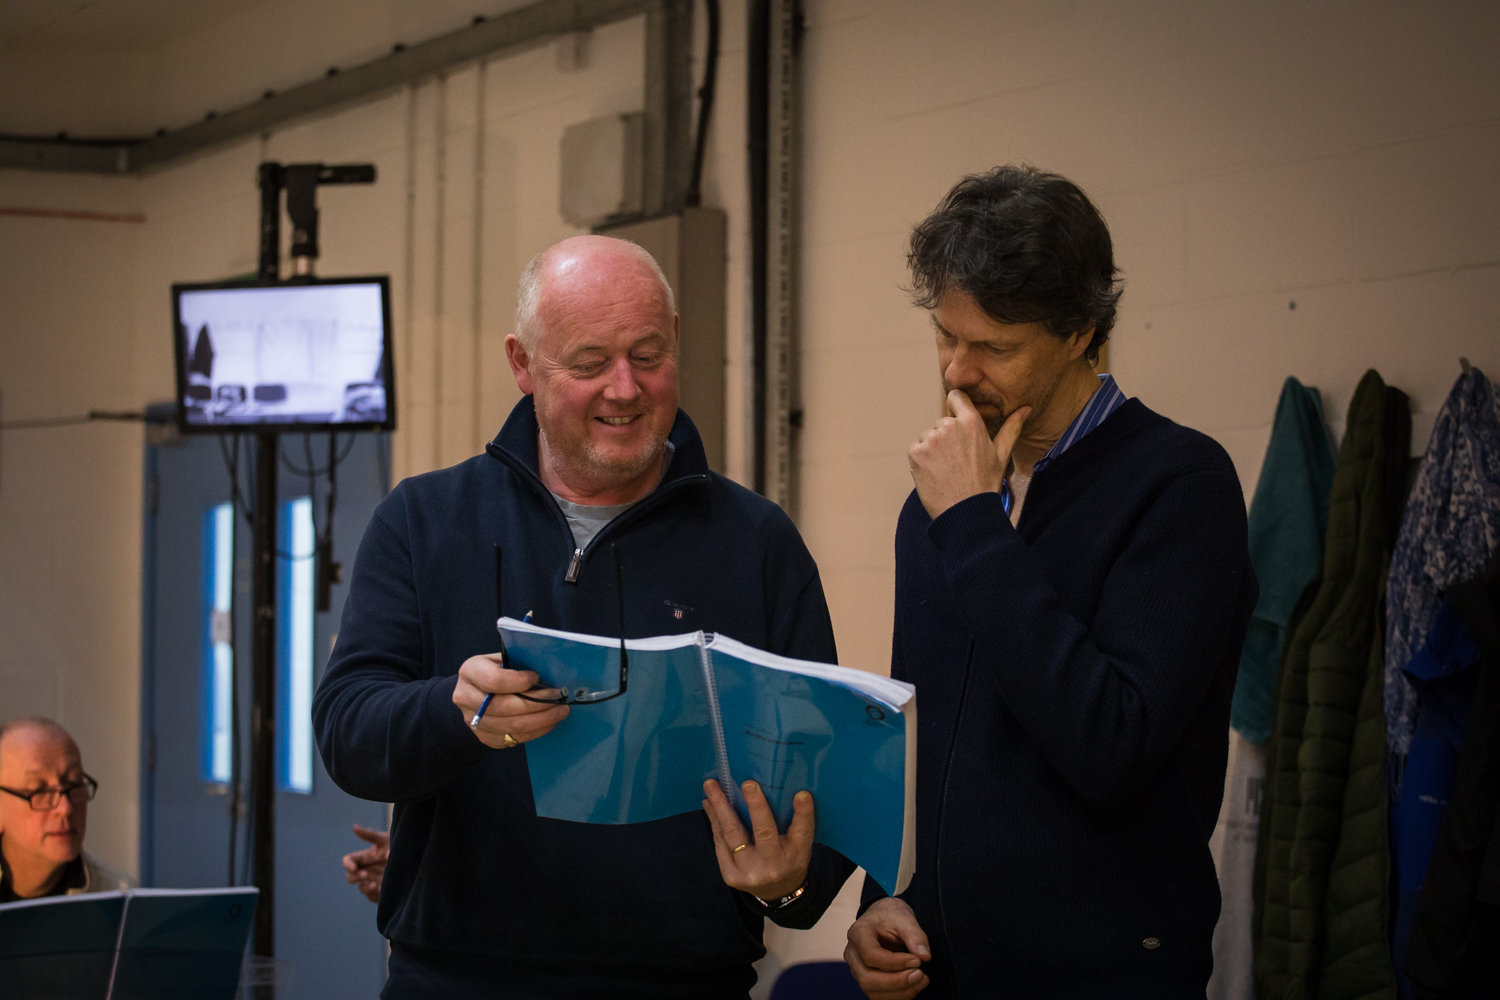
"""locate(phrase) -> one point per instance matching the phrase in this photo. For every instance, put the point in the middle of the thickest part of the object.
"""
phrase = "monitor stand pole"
(300, 182)
(263, 628)
(263, 692)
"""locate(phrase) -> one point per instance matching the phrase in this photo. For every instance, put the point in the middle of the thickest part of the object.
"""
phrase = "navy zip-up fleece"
(1075, 675)
(480, 894)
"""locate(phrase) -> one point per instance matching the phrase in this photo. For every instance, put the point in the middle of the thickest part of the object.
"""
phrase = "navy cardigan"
(477, 885)
(1074, 677)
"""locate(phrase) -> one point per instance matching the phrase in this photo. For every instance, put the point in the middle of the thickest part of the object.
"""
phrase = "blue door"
(196, 550)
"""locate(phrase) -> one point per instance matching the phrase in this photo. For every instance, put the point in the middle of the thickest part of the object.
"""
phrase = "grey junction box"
(602, 169)
(691, 247)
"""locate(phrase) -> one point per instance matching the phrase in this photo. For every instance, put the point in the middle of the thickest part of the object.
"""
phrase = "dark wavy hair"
(1027, 246)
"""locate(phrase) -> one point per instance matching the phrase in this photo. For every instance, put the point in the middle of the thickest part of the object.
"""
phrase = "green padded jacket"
(1322, 863)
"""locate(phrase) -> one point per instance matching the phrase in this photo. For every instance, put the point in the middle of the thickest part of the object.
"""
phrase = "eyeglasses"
(47, 799)
(582, 695)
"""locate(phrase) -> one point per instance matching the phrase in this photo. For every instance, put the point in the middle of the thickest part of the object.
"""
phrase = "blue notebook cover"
(183, 943)
(705, 706)
(145, 943)
(61, 946)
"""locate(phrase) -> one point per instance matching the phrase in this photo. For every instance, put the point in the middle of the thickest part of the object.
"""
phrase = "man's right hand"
(366, 867)
(886, 950)
(507, 715)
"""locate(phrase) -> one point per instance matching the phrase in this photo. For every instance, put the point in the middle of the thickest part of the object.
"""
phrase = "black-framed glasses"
(577, 696)
(46, 799)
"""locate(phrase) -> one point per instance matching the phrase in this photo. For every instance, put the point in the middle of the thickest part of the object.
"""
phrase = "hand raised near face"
(956, 459)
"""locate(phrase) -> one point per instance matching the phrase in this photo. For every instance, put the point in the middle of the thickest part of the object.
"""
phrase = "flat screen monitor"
(313, 355)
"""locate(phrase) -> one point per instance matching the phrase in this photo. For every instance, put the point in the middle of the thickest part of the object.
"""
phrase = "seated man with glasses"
(44, 809)
(480, 896)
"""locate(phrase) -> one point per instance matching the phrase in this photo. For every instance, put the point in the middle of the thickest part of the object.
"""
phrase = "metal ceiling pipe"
(504, 34)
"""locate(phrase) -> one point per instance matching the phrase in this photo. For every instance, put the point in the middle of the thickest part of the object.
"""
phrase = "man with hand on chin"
(1072, 590)
(480, 896)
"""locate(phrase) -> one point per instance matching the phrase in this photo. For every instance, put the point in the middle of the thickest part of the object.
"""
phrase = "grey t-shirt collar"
(586, 521)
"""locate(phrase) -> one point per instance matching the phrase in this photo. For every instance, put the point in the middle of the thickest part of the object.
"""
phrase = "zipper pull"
(574, 565)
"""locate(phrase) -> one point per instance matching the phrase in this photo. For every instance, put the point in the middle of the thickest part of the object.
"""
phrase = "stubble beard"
(992, 424)
(582, 460)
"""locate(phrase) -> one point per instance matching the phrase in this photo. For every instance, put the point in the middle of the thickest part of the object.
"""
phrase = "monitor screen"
(314, 355)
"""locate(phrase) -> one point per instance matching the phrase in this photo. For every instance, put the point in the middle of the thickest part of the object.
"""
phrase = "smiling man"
(1072, 591)
(480, 897)
(44, 812)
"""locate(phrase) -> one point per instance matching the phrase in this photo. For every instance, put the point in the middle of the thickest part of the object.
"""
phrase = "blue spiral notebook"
(703, 706)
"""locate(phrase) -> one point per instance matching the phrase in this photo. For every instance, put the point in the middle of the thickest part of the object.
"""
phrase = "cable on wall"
(39, 423)
(476, 410)
(232, 461)
(440, 186)
(409, 265)
(705, 102)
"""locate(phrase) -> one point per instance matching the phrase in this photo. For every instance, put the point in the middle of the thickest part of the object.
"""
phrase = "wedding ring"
(510, 741)
(737, 850)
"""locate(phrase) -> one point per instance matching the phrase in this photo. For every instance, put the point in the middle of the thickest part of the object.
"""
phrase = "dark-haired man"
(1072, 590)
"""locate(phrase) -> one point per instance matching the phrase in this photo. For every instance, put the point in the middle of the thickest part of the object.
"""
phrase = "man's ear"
(1080, 343)
(520, 363)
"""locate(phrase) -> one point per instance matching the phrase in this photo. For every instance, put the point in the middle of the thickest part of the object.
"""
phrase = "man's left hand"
(956, 459)
(772, 865)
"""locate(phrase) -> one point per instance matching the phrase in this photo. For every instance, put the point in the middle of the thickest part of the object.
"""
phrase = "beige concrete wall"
(1338, 156)
(70, 497)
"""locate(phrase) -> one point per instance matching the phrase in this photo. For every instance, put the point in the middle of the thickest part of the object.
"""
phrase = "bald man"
(44, 811)
(480, 896)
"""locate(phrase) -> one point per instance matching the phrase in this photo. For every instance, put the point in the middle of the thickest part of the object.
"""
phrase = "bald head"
(34, 729)
(583, 267)
(37, 754)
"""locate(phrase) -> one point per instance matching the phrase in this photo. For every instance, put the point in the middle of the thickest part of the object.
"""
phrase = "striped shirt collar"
(1106, 399)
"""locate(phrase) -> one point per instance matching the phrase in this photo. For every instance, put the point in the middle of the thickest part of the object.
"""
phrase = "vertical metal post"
(263, 692)
(782, 406)
(757, 28)
(667, 166)
(263, 612)
(270, 178)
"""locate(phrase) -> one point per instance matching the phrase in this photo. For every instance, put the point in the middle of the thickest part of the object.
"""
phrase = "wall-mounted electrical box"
(601, 169)
(691, 247)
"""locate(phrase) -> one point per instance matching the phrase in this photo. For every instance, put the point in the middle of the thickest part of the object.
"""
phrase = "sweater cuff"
(446, 724)
(871, 894)
(970, 523)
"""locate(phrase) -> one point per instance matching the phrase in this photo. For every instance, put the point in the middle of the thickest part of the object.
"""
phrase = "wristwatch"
(776, 904)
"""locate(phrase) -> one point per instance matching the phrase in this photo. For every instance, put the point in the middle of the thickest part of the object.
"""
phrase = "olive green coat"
(1322, 864)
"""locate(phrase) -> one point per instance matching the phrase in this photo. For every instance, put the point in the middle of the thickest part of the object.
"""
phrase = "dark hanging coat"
(1455, 936)
(1322, 863)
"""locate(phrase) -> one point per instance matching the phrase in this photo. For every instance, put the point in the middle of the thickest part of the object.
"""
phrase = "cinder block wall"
(1247, 157)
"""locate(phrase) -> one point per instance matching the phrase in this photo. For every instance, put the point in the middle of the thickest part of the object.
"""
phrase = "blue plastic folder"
(705, 706)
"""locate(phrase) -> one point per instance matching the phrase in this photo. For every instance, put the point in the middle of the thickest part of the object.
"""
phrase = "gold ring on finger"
(737, 850)
(510, 741)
